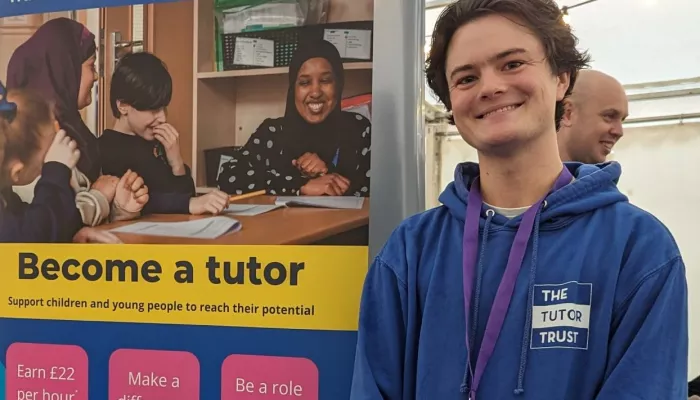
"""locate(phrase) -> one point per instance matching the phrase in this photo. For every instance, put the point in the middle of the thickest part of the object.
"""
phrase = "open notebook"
(205, 228)
(249, 210)
(339, 202)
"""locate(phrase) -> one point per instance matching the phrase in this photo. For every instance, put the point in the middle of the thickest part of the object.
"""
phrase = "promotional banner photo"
(185, 197)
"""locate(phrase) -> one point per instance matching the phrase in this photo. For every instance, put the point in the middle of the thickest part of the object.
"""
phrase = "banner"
(201, 322)
(208, 240)
(10, 8)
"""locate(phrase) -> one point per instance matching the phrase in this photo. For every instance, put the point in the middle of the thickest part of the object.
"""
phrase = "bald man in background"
(593, 117)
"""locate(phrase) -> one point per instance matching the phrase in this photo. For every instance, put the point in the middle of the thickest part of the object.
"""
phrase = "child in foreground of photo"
(142, 140)
(30, 147)
(65, 48)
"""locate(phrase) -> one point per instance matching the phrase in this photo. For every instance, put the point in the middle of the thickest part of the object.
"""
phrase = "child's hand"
(107, 185)
(213, 202)
(63, 150)
(92, 235)
(170, 138)
(132, 193)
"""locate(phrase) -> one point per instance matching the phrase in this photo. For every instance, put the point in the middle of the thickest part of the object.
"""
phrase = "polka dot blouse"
(262, 163)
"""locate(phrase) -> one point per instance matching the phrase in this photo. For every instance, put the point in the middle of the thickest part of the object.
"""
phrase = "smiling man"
(593, 117)
(534, 280)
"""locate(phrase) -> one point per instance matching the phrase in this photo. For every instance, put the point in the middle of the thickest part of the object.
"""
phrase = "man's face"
(502, 90)
(594, 120)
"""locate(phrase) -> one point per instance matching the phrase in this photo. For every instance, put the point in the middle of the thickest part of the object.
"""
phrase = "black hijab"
(328, 136)
(50, 62)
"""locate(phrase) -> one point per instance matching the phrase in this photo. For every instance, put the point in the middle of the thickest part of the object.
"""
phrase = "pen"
(247, 195)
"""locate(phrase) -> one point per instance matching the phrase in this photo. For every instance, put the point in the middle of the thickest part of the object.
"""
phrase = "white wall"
(659, 174)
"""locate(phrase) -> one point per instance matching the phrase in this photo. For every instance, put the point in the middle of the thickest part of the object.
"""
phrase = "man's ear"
(15, 169)
(567, 118)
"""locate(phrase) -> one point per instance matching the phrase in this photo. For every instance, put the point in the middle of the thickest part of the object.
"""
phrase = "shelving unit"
(229, 105)
(272, 71)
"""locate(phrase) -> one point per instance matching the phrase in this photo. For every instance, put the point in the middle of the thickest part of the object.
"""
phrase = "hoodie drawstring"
(464, 388)
(520, 389)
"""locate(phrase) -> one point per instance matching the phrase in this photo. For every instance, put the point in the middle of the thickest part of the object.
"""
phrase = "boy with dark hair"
(143, 141)
(535, 279)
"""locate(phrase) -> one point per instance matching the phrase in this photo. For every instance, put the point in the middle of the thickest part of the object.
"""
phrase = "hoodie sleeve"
(186, 182)
(92, 204)
(93, 207)
(167, 203)
(180, 183)
(116, 213)
(648, 349)
(381, 340)
(51, 217)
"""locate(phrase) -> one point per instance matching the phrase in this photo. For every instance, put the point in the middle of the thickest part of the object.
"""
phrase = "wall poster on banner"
(185, 197)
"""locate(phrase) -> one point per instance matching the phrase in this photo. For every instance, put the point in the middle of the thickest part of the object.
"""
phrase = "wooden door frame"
(149, 28)
(106, 57)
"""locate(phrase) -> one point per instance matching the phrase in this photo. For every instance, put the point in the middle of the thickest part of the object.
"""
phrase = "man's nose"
(616, 129)
(492, 84)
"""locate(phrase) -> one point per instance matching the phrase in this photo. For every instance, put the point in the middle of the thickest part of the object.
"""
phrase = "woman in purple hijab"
(59, 62)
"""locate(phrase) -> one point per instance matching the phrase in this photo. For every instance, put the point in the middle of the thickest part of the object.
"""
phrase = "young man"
(143, 141)
(593, 117)
(534, 280)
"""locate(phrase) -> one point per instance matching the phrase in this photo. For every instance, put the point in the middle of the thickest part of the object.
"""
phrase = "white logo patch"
(561, 316)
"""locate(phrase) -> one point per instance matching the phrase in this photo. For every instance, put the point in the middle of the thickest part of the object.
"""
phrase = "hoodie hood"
(594, 187)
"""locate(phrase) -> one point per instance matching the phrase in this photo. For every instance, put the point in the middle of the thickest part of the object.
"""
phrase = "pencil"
(247, 195)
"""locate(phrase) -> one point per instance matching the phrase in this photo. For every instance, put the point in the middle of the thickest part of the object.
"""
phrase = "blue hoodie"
(599, 309)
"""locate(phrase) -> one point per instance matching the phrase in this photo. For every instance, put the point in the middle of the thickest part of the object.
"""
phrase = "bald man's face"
(592, 123)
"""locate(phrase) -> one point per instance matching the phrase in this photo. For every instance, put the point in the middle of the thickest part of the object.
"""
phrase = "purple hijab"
(50, 62)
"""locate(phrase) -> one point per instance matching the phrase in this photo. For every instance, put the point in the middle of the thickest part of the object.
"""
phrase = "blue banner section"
(565, 293)
(560, 337)
(11, 8)
(332, 352)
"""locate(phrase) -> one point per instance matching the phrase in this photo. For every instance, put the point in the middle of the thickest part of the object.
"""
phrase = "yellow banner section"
(288, 287)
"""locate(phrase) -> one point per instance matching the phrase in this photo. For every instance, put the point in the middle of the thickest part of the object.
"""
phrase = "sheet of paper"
(250, 210)
(340, 202)
(351, 43)
(205, 228)
(254, 52)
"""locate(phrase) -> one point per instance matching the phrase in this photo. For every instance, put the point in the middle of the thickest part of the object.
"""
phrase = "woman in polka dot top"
(316, 149)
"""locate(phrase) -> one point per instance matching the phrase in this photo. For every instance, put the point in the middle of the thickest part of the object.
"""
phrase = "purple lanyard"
(470, 248)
